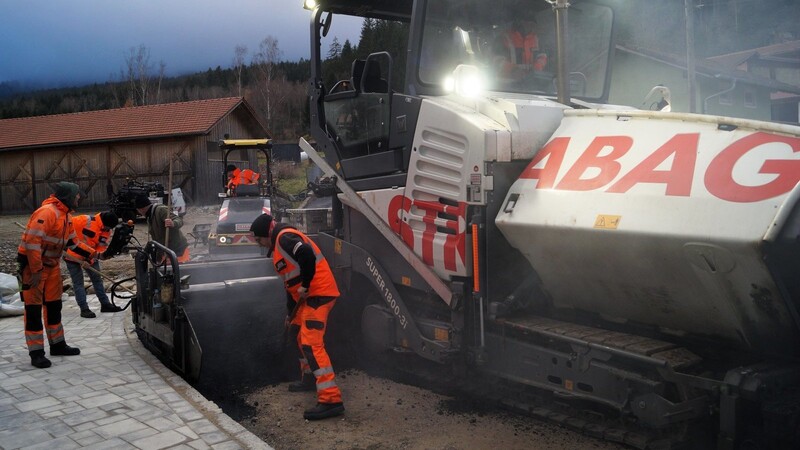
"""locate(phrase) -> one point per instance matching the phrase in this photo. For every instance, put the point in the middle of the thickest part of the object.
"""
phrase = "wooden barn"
(100, 150)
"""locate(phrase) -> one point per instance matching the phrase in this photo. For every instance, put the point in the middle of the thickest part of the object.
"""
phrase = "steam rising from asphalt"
(721, 26)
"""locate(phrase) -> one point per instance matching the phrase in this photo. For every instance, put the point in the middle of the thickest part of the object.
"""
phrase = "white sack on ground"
(11, 305)
(8, 285)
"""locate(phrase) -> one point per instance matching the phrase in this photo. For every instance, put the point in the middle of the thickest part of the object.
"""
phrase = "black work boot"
(110, 309)
(39, 360)
(62, 349)
(87, 313)
(323, 411)
(307, 384)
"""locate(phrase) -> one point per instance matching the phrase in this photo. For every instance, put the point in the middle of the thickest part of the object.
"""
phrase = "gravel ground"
(380, 413)
(384, 414)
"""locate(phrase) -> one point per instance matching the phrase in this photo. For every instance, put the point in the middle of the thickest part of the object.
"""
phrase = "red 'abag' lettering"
(719, 176)
(554, 152)
(608, 165)
(678, 178)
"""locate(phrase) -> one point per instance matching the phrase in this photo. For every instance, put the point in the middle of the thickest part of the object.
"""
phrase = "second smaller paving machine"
(241, 203)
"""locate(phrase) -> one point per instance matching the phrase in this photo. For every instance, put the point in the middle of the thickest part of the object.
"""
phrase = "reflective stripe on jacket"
(245, 176)
(525, 49)
(49, 234)
(322, 285)
(89, 230)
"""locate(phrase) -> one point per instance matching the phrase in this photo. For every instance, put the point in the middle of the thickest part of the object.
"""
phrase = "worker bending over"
(95, 232)
(312, 292)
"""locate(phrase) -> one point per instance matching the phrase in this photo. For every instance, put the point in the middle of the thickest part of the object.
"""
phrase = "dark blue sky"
(70, 42)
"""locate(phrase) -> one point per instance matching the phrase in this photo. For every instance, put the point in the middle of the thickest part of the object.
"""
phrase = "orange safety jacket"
(245, 176)
(49, 233)
(89, 230)
(524, 50)
(322, 285)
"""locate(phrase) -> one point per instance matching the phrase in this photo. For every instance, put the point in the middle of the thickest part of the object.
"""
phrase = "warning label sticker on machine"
(607, 222)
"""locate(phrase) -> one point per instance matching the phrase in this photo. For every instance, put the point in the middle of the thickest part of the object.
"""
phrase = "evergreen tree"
(347, 52)
(722, 26)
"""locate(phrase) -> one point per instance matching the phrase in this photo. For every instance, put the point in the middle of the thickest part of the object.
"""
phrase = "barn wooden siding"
(208, 174)
(26, 176)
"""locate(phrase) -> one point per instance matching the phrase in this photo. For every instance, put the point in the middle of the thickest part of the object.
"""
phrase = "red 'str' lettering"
(453, 244)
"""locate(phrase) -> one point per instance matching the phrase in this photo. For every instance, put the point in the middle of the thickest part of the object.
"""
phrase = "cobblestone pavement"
(114, 395)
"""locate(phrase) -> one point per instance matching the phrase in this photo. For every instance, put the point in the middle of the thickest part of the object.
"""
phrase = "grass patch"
(290, 178)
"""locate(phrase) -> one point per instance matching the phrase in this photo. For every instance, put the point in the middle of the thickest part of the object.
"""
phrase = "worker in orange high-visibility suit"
(48, 235)
(312, 293)
(95, 232)
(518, 51)
(237, 176)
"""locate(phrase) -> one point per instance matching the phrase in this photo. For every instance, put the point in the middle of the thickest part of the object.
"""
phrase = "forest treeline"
(277, 89)
(286, 109)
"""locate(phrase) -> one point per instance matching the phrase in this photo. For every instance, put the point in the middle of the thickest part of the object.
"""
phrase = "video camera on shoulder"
(120, 241)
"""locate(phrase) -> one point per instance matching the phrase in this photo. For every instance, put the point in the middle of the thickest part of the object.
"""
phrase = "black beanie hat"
(230, 168)
(260, 226)
(65, 192)
(109, 219)
(141, 201)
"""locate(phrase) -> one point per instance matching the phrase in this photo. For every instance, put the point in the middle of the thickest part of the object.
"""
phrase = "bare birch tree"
(238, 64)
(335, 50)
(138, 66)
(265, 63)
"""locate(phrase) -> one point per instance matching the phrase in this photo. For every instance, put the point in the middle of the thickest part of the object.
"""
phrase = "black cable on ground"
(114, 294)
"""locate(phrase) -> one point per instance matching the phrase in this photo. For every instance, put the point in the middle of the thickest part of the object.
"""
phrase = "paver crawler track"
(676, 357)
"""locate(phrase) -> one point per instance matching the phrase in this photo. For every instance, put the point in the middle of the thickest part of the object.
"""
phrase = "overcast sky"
(71, 42)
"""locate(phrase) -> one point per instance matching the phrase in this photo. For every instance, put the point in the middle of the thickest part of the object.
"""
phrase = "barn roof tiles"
(786, 52)
(140, 122)
(709, 68)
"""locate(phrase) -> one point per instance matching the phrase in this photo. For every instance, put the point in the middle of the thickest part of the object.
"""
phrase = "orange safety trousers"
(185, 256)
(42, 301)
(312, 319)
